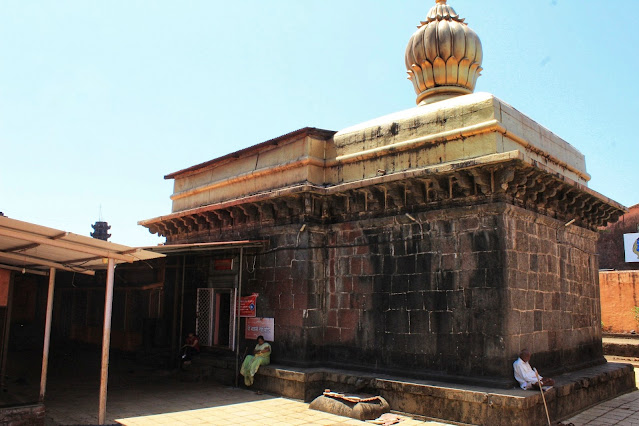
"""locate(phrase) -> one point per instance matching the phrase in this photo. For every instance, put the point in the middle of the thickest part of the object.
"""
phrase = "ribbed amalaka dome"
(443, 57)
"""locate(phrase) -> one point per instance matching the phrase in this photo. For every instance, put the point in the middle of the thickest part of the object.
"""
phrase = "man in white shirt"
(526, 375)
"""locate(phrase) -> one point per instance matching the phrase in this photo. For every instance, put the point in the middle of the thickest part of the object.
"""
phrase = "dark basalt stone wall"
(450, 294)
(425, 295)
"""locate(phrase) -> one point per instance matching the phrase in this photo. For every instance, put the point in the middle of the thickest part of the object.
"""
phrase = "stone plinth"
(460, 403)
(622, 345)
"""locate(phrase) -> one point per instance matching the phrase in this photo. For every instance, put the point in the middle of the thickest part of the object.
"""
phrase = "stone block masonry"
(405, 261)
(451, 294)
(290, 278)
(457, 293)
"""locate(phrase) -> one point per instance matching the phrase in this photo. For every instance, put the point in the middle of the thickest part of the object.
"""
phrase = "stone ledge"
(621, 346)
(25, 415)
(574, 392)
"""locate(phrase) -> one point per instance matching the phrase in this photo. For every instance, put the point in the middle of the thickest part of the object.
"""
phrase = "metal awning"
(27, 246)
(203, 247)
(36, 249)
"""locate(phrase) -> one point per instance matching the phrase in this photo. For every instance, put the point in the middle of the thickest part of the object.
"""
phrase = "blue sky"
(99, 100)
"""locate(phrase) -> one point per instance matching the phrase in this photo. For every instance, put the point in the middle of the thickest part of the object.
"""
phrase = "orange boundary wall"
(619, 297)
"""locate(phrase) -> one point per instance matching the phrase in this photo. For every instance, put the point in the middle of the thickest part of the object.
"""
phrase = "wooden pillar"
(106, 340)
(47, 335)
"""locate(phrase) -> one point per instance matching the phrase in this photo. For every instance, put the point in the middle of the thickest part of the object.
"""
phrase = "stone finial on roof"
(443, 57)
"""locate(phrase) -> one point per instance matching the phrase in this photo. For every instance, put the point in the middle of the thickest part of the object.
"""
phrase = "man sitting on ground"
(527, 376)
(191, 347)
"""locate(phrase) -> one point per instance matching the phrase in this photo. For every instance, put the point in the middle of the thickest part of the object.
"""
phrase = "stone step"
(623, 360)
(465, 404)
(621, 346)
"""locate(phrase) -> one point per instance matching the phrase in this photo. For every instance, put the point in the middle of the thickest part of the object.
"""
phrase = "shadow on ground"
(133, 390)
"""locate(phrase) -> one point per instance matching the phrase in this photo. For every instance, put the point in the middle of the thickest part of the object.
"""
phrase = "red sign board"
(223, 264)
(260, 327)
(248, 305)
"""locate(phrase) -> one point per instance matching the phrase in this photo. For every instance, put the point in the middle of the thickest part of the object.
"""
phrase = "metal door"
(204, 316)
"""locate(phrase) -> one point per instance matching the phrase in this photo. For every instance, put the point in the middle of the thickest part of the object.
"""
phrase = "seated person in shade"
(190, 348)
(526, 375)
(261, 356)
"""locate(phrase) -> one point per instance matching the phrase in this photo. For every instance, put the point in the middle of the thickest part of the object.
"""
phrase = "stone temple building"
(432, 243)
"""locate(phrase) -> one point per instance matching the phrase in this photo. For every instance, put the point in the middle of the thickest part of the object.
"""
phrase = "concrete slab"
(139, 395)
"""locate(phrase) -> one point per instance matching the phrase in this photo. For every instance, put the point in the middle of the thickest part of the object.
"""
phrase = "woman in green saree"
(261, 356)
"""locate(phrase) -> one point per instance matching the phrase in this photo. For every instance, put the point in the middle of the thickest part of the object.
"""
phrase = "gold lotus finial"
(443, 57)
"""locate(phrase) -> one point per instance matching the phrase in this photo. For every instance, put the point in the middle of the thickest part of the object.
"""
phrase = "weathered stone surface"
(29, 415)
(622, 346)
(360, 410)
(451, 293)
(443, 299)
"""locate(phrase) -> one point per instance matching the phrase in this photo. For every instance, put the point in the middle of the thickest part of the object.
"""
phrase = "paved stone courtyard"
(268, 410)
(141, 396)
(145, 397)
(623, 410)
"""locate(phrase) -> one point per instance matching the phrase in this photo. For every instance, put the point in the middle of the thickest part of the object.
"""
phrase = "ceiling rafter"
(80, 248)
(30, 261)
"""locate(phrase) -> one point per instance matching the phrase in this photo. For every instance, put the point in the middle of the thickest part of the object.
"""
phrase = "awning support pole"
(106, 340)
(237, 326)
(174, 324)
(5, 337)
(180, 343)
(47, 335)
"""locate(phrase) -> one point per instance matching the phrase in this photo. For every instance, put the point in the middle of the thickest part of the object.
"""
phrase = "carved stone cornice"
(513, 181)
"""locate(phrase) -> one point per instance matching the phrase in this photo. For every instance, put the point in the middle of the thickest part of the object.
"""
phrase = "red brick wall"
(619, 297)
